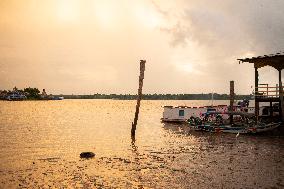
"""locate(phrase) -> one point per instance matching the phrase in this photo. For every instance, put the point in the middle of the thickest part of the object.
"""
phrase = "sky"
(94, 46)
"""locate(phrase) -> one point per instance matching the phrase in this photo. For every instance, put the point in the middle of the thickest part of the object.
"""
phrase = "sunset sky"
(94, 46)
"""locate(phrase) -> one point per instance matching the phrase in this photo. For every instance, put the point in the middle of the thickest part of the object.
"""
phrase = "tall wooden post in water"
(232, 98)
(256, 102)
(281, 104)
(141, 78)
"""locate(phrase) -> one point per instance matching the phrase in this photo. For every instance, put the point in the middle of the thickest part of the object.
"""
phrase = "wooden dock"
(263, 92)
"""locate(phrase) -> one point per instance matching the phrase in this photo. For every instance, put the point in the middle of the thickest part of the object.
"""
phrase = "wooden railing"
(263, 90)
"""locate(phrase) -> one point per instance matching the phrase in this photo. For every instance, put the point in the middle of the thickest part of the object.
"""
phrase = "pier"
(264, 92)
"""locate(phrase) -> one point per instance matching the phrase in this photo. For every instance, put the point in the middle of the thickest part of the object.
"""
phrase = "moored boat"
(258, 128)
(243, 124)
(220, 128)
(184, 113)
(262, 127)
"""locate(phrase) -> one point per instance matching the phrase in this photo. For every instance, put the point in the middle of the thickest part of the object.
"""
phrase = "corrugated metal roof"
(274, 60)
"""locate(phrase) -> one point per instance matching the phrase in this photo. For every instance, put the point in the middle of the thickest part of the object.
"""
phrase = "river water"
(40, 143)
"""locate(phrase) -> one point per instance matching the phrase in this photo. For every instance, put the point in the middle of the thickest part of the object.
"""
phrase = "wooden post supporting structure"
(281, 104)
(256, 94)
(270, 110)
(141, 78)
(232, 98)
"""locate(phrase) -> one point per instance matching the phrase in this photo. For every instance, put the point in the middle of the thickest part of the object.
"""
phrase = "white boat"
(184, 113)
(61, 98)
(15, 97)
(58, 98)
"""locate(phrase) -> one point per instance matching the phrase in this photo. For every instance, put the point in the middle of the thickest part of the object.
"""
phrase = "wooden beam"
(267, 99)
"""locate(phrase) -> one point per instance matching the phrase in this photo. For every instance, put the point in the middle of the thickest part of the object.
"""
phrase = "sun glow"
(106, 13)
(109, 14)
(67, 10)
(147, 16)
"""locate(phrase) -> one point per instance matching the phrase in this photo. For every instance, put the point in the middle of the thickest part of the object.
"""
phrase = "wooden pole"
(281, 104)
(256, 93)
(141, 77)
(232, 98)
(270, 110)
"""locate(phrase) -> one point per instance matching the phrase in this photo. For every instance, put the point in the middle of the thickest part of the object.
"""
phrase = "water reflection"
(136, 161)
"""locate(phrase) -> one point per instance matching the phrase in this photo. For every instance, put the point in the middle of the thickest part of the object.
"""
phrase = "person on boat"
(244, 103)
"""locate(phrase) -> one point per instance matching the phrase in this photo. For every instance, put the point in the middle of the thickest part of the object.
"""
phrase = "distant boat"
(58, 98)
(15, 96)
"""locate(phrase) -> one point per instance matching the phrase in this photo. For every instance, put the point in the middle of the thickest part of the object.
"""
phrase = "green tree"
(32, 93)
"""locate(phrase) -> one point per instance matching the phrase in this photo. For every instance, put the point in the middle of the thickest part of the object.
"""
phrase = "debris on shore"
(87, 155)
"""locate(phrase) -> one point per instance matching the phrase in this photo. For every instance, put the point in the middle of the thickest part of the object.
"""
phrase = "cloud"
(191, 46)
(223, 31)
(255, 25)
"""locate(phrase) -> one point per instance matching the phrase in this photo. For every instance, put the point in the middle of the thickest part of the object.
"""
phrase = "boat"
(58, 98)
(221, 128)
(61, 98)
(243, 123)
(258, 128)
(183, 113)
(262, 127)
(15, 96)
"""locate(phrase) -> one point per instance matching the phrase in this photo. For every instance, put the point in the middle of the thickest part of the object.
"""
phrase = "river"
(40, 144)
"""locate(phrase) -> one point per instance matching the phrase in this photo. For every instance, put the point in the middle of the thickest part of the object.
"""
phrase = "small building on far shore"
(14, 95)
(44, 94)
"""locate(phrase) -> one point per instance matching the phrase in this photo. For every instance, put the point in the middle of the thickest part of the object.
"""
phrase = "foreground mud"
(219, 164)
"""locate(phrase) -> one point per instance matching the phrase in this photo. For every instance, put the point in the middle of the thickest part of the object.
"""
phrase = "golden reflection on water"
(41, 142)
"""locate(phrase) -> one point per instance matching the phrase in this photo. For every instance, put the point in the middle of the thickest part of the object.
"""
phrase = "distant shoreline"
(159, 96)
(116, 99)
(34, 94)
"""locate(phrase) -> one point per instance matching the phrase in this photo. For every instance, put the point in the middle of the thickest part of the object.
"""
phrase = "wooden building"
(263, 92)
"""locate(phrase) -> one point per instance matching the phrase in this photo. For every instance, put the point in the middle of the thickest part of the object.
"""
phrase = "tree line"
(34, 94)
(202, 96)
(30, 93)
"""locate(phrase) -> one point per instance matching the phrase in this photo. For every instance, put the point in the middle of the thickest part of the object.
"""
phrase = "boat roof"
(274, 60)
(194, 107)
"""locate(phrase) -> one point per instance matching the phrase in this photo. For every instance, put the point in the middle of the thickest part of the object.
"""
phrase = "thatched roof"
(274, 60)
